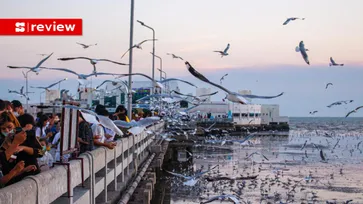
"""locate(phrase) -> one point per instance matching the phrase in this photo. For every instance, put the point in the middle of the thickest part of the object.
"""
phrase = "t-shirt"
(85, 133)
(41, 134)
(97, 129)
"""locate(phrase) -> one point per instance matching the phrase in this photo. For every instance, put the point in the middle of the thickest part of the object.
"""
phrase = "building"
(51, 95)
(203, 91)
(245, 114)
(271, 114)
(246, 92)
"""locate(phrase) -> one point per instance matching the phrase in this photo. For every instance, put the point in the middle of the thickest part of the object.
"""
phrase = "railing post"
(121, 177)
(115, 169)
(91, 177)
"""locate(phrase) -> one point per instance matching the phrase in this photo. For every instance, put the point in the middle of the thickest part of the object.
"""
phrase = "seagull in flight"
(354, 111)
(291, 19)
(301, 48)
(327, 85)
(333, 63)
(20, 93)
(114, 83)
(93, 62)
(231, 96)
(340, 103)
(191, 180)
(50, 86)
(35, 69)
(175, 79)
(174, 56)
(42, 54)
(155, 83)
(138, 46)
(313, 112)
(86, 46)
(224, 52)
(222, 78)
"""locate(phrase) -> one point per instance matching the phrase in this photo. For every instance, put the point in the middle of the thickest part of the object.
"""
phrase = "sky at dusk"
(262, 55)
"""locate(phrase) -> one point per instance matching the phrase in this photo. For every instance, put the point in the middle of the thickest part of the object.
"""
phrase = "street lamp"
(161, 64)
(65, 79)
(167, 83)
(153, 53)
(130, 59)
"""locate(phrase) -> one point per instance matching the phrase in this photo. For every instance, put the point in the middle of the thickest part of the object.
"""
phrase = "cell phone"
(18, 129)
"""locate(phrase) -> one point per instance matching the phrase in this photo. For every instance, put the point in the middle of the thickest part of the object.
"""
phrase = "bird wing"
(261, 97)
(227, 48)
(287, 21)
(126, 52)
(103, 83)
(180, 58)
(211, 94)
(233, 198)
(73, 58)
(201, 77)
(146, 41)
(82, 44)
(22, 89)
(178, 175)
(15, 67)
(38, 87)
(119, 63)
(61, 69)
(43, 60)
(348, 114)
(332, 61)
(218, 51)
(102, 73)
(358, 108)
(108, 123)
(175, 79)
(50, 86)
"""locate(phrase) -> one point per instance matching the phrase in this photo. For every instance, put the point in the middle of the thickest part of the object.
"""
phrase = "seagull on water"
(301, 48)
(327, 85)
(354, 111)
(333, 63)
(93, 62)
(231, 96)
(224, 52)
(20, 93)
(138, 46)
(191, 180)
(50, 86)
(291, 19)
(86, 46)
(174, 56)
(35, 69)
(222, 78)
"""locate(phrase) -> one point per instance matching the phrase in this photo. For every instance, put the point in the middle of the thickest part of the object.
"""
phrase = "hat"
(16, 104)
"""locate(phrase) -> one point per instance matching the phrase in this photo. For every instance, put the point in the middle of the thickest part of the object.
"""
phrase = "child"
(45, 162)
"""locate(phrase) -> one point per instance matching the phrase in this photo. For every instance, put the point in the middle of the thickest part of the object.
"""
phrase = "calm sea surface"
(320, 160)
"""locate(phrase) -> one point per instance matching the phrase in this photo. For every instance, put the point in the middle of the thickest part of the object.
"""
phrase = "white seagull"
(174, 56)
(333, 63)
(291, 19)
(222, 78)
(86, 46)
(93, 62)
(20, 93)
(231, 96)
(138, 46)
(301, 48)
(191, 180)
(327, 85)
(114, 83)
(50, 86)
(354, 111)
(224, 52)
(155, 83)
(35, 69)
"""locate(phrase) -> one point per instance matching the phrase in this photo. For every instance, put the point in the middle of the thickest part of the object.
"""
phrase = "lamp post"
(129, 113)
(161, 64)
(59, 85)
(153, 53)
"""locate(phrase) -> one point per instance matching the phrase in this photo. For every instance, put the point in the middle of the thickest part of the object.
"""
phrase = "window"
(251, 114)
(244, 114)
(235, 114)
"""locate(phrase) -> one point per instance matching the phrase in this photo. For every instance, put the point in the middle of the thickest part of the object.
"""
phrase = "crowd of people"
(30, 145)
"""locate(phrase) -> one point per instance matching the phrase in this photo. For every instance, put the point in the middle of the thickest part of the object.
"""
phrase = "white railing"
(105, 173)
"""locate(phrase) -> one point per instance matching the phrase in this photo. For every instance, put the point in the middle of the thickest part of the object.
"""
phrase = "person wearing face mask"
(42, 127)
(17, 108)
(45, 162)
(7, 128)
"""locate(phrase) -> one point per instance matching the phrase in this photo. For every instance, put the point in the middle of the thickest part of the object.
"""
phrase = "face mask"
(44, 148)
(5, 134)
(16, 114)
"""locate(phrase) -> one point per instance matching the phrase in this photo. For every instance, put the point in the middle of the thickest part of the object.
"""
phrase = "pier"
(99, 176)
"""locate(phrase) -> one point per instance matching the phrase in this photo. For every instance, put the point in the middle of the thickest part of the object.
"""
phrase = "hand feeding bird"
(174, 56)
(92, 61)
(292, 19)
(224, 52)
(333, 63)
(86, 46)
(35, 69)
(301, 48)
(138, 46)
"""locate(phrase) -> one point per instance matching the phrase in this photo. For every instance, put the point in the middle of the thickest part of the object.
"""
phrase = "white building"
(203, 91)
(271, 114)
(51, 95)
(246, 114)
